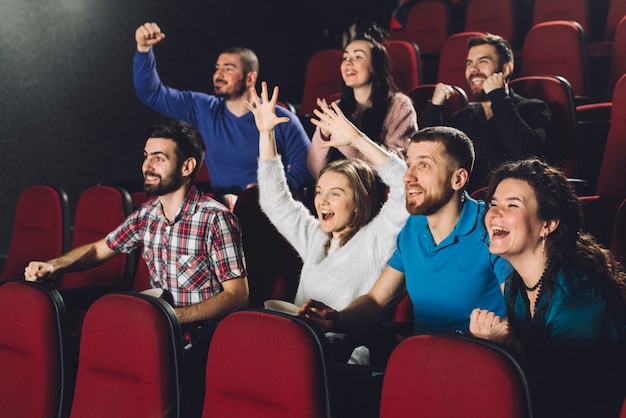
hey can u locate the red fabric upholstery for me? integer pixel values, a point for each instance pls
(427, 25)
(141, 280)
(40, 229)
(130, 359)
(617, 69)
(447, 376)
(618, 238)
(493, 16)
(556, 48)
(623, 414)
(610, 190)
(421, 95)
(266, 364)
(617, 10)
(32, 335)
(99, 210)
(549, 10)
(203, 179)
(561, 148)
(403, 310)
(405, 62)
(452, 59)
(479, 194)
(322, 78)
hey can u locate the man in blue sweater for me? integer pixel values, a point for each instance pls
(223, 120)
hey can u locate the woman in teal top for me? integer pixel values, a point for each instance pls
(565, 300)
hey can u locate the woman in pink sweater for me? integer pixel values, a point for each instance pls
(371, 101)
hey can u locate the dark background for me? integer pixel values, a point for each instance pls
(69, 115)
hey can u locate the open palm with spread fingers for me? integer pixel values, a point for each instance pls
(264, 109)
(332, 119)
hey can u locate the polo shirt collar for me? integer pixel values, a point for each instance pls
(469, 216)
(466, 223)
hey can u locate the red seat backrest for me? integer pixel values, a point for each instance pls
(322, 78)
(34, 381)
(266, 364)
(40, 229)
(405, 63)
(618, 238)
(493, 16)
(421, 95)
(556, 92)
(452, 59)
(130, 359)
(611, 182)
(100, 209)
(448, 376)
(427, 25)
(549, 10)
(556, 48)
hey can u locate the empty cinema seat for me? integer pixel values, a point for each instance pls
(130, 359)
(266, 364)
(453, 376)
(40, 229)
(37, 370)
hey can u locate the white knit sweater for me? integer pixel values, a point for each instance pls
(339, 277)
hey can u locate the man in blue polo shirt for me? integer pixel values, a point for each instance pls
(442, 259)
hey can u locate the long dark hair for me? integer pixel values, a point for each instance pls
(556, 199)
(371, 120)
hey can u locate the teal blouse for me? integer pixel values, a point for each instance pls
(575, 344)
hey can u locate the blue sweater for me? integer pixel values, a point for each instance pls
(232, 142)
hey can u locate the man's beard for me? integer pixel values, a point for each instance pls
(240, 89)
(480, 95)
(167, 185)
(431, 203)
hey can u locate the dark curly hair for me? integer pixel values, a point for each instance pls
(557, 199)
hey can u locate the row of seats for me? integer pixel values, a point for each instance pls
(428, 22)
(128, 369)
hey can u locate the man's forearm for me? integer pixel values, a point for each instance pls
(218, 306)
(362, 313)
(83, 257)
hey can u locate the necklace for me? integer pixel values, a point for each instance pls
(540, 281)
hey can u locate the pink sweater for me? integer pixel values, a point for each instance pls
(398, 127)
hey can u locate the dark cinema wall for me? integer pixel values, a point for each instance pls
(69, 115)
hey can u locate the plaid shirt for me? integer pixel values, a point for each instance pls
(189, 257)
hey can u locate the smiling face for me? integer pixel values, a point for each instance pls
(482, 61)
(334, 202)
(229, 80)
(356, 67)
(161, 172)
(428, 178)
(514, 229)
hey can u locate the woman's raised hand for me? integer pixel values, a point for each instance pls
(263, 110)
(331, 119)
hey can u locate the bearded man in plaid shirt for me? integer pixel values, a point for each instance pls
(190, 242)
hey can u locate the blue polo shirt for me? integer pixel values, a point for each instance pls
(447, 281)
